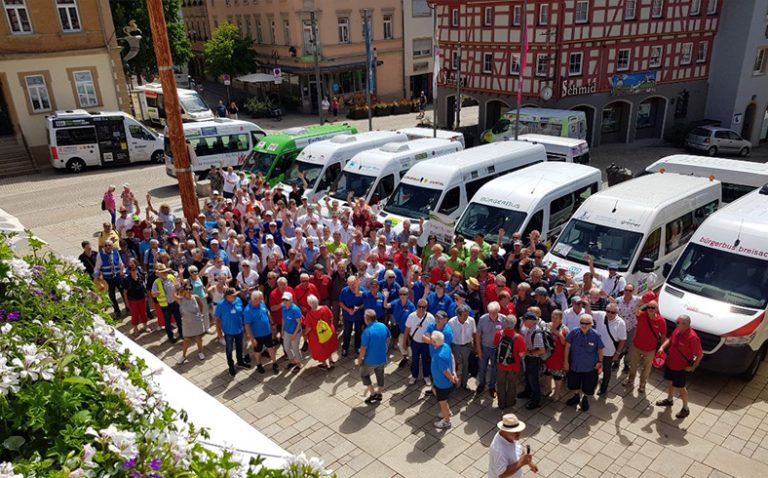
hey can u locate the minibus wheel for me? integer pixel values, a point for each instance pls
(157, 157)
(75, 165)
(754, 366)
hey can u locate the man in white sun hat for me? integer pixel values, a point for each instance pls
(506, 457)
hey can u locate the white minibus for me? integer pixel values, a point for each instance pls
(541, 197)
(721, 282)
(79, 138)
(737, 176)
(222, 142)
(322, 162)
(439, 189)
(419, 133)
(152, 106)
(570, 150)
(374, 174)
(640, 225)
(549, 121)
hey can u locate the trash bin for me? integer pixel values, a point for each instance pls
(617, 174)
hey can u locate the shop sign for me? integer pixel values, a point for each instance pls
(625, 84)
(570, 88)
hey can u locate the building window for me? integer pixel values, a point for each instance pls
(622, 60)
(70, 19)
(695, 7)
(272, 34)
(541, 65)
(286, 31)
(488, 16)
(455, 60)
(38, 93)
(760, 60)
(259, 36)
(85, 88)
(422, 47)
(657, 8)
(630, 9)
(517, 14)
(248, 26)
(487, 62)
(388, 35)
(685, 53)
(455, 17)
(711, 7)
(18, 17)
(239, 21)
(544, 14)
(655, 57)
(574, 64)
(514, 65)
(343, 27)
(582, 11)
(701, 53)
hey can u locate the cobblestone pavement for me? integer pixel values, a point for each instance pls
(322, 413)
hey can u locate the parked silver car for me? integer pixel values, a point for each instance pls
(716, 140)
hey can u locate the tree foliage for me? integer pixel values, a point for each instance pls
(123, 11)
(227, 52)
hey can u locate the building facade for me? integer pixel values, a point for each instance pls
(635, 67)
(194, 14)
(418, 59)
(55, 55)
(739, 80)
(282, 36)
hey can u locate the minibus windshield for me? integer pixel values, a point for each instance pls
(310, 171)
(604, 243)
(193, 103)
(358, 184)
(414, 202)
(722, 275)
(259, 162)
(488, 220)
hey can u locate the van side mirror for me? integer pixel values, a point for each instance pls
(666, 270)
(646, 265)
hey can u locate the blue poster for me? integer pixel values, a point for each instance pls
(633, 83)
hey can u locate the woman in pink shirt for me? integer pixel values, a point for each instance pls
(109, 203)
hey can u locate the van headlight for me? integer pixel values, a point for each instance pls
(740, 340)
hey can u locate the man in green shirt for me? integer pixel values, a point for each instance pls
(473, 262)
(454, 262)
(337, 244)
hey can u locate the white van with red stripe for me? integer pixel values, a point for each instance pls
(721, 281)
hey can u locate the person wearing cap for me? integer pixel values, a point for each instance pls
(651, 333)
(583, 361)
(684, 354)
(485, 348)
(510, 349)
(559, 295)
(506, 457)
(399, 309)
(372, 357)
(123, 221)
(474, 299)
(440, 324)
(387, 231)
(443, 373)
(163, 289)
(291, 331)
(572, 315)
(464, 331)
(533, 331)
(613, 284)
(544, 303)
(269, 248)
(351, 302)
(322, 282)
(438, 300)
(613, 332)
(415, 327)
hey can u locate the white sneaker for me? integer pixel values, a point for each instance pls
(442, 424)
(201, 356)
(182, 359)
(411, 380)
(428, 381)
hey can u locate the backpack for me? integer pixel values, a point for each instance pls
(505, 352)
(324, 331)
(103, 205)
(549, 342)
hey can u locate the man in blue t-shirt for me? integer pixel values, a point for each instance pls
(351, 302)
(373, 355)
(443, 375)
(439, 300)
(258, 325)
(229, 313)
(440, 324)
(292, 331)
(583, 360)
(400, 309)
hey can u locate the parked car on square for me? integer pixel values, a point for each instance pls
(715, 140)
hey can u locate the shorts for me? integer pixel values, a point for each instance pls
(677, 377)
(263, 342)
(584, 381)
(442, 393)
(378, 370)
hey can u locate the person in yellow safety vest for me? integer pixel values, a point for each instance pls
(162, 290)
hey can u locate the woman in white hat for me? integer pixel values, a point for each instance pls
(506, 457)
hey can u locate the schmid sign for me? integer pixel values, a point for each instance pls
(572, 89)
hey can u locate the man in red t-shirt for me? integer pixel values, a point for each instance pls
(304, 290)
(322, 283)
(684, 355)
(441, 272)
(508, 362)
(275, 300)
(651, 332)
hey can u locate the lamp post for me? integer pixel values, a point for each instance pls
(319, 87)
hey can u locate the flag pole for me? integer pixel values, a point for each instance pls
(523, 65)
(435, 69)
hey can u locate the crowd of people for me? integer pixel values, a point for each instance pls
(274, 275)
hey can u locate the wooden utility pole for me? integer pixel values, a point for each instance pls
(175, 130)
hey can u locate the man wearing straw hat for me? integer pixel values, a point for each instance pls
(506, 457)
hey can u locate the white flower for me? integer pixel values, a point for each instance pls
(6, 471)
(179, 445)
(64, 289)
(74, 262)
(118, 381)
(88, 452)
(305, 464)
(122, 443)
(78, 473)
(9, 378)
(19, 269)
(34, 365)
(5, 328)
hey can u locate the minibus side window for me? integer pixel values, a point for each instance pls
(651, 247)
(385, 186)
(678, 231)
(560, 210)
(332, 173)
(732, 192)
(137, 132)
(475, 186)
(75, 136)
(451, 201)
(700, 214)
(256, 136)
(584, 194)
(536, 223)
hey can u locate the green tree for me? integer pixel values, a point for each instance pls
(145, 62)
(227, 52)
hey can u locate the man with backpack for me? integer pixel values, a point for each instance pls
(583, 361)
(537, 350)
(510, 349)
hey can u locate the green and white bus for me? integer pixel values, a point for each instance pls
(275, 153)
(552, 122)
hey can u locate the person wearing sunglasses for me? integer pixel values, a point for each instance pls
(684, 355)
(415, 326)
(583, 361)
(651, 332)
(613, 331)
